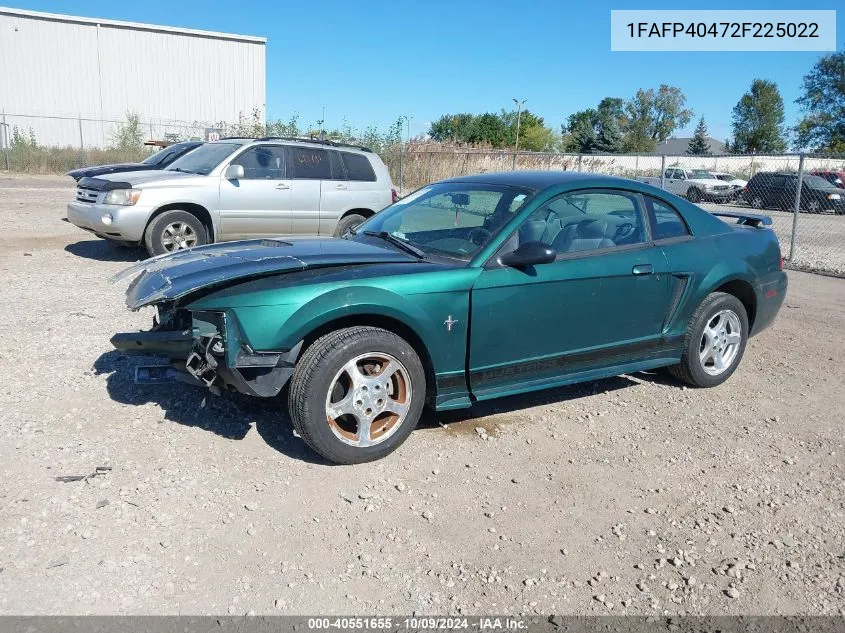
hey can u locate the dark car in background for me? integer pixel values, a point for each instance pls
(159, 160)
(774, 190)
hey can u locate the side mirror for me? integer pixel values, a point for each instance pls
(529, 254)
(234, 172)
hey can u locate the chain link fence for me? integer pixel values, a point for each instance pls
(56, 144)
(803, 194)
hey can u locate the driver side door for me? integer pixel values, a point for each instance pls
(601, 303)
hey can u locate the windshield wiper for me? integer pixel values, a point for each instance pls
(389, 237)
(184, 171)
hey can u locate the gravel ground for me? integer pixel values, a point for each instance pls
(627, 495)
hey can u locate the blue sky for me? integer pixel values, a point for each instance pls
(376, 59)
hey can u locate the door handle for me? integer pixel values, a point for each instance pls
(343, 187)
(642, 269)
(282, 186)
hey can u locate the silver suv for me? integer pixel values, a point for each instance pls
(236, 189)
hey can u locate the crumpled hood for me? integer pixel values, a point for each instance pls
(175, 275)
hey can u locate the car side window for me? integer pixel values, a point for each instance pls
(586, 221)
(358, 167)
(336, 166)
(666, 223)
(264, 162)
(308, 163)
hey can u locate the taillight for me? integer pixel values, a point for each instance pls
(394, 195)
(781, 263)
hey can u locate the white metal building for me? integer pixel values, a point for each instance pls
(66, 77)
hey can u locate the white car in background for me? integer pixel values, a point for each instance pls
(693, 184)
(236, 189)
(737, 183)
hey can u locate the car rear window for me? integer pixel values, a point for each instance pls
(358, 167)
(309, 164)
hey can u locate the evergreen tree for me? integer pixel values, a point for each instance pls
(699, 145)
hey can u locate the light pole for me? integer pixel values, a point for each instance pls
(519, 105)
(402, 151)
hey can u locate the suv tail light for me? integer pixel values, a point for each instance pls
(781, 263)
(394, 195)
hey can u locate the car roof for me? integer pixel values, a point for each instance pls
(300, 142)
(538, 180)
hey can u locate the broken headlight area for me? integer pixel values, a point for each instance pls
(204, 349)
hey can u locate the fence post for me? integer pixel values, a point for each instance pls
(663, 171)
(513, 162)
(81, 144)
(549, 168)
(797, 207)
(430, 160)
(636, 166)
(7, 143)
(401, 170)
(579, 163)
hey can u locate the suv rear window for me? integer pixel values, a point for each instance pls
(309, 164)
(358, 167)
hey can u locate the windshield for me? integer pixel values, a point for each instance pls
(701, 173)
(817, 182)
(449, 219)
(163, 155)
(204, 158)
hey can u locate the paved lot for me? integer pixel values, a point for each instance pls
(628, 495)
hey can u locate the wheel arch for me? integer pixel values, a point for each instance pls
(744, 291)
(197, 210)
(385, 322)
(366, 213)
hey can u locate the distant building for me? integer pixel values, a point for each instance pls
(64, 77)
(677, 146)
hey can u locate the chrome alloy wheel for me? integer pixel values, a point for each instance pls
(177, 236)
(368, 400)
(720, 342)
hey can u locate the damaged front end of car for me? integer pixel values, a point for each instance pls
(204, 349)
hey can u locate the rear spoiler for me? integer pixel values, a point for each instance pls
(747, 219)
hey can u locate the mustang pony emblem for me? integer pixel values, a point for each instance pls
(449, 322)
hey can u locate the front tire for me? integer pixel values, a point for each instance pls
(714, 342)
(174, 231)
(694, 195)
(356, 394)
(347, 223)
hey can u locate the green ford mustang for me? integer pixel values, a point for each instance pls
(467, 289)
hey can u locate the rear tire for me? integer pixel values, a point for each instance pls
(347, 223)
(756, 202)
(356, 394)
(174, 231)
(714, 342)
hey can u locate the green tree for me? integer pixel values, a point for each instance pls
(652, 116)
(537, 138)
(488, 129)
(128, 134)
(699, 145)
(452, 127)
(758, 120)
(823, 103)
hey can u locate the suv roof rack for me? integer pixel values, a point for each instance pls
(314, 140)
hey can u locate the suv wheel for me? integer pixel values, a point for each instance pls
(347, 223)
(694, 195)
(174, 231)
(814, 206)
(356, 394)
(756, 202)
(714, 341)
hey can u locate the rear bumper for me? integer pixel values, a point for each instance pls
(770, 298)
